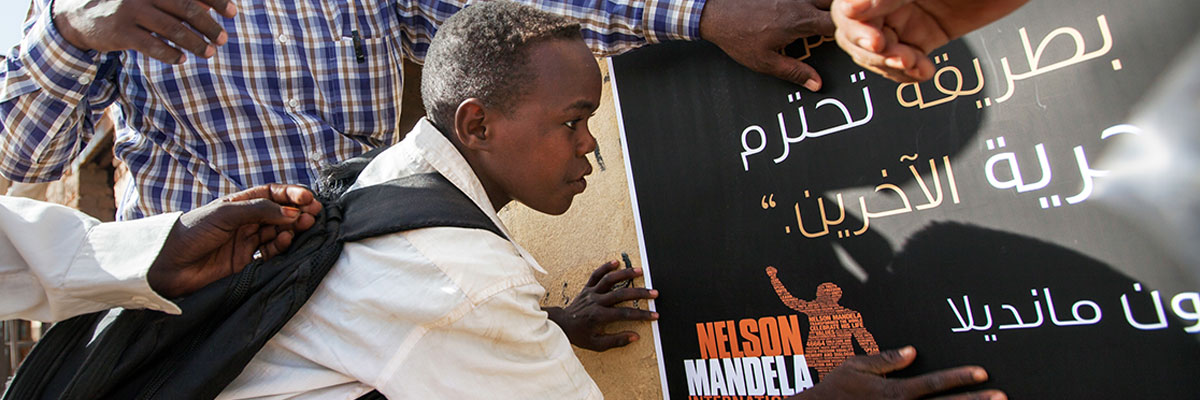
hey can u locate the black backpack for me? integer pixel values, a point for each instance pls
(147, 354)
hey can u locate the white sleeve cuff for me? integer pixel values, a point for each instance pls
(112, 265)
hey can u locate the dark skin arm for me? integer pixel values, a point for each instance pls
(862, 377)
(116, 25)
(753, 32)
(595, 307)
(220, 238)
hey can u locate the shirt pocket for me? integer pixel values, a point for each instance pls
(360, 84)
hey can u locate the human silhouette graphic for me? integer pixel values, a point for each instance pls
(831, 327)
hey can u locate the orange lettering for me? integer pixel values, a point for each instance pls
(719, 331)
(749, 327)
(769, 333)
(733, 340)
(708, 346)
(789, 335)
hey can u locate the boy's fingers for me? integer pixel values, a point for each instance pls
(600, 273)
(612, 278)
(627, 294)
(608, 341)
(615, 314)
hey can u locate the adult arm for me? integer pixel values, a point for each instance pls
(753, 32)
(862, 377)
(893, 37)
(56, 262)
(56, 83)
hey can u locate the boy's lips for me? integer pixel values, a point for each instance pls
(581, 183)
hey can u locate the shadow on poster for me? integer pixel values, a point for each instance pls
(789, 230)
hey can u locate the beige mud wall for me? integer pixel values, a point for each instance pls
(598, 228)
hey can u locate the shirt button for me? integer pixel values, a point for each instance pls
(294, 103)
(283, 38)
(84, 80)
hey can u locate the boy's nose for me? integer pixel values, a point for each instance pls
(588, 144)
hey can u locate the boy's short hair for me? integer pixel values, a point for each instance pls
(483, 52)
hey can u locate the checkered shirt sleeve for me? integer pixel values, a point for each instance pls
(299, 85)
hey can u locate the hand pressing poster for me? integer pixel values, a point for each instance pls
(789, 230)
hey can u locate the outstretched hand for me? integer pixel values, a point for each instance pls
(862, 377)
(754, 33)
(220, 238)
(595, 307)
(893, 37)
(147, 26)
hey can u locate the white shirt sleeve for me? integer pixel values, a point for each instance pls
(493, 343)
(56, 262)
(504, 348)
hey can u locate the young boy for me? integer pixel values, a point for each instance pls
(453, 313)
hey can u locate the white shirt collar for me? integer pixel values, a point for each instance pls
(425, 149)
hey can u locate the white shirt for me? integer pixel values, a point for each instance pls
(433, 313)
(56, 262)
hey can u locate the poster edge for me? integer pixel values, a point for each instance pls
(637, 220)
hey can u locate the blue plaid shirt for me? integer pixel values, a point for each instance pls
(286, 95)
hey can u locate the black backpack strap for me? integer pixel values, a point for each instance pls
(150, 355)
(335, 179)
(429, 200)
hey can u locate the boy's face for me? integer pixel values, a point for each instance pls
(539, 151)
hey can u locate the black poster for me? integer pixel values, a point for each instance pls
(788, 230)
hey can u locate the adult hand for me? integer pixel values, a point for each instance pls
(862, 377)
(220, 238)
(893, 37)
(754, 33)
(594, 308)
(115, 25)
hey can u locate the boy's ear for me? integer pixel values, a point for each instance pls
(470, 124)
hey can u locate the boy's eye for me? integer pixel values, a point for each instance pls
(572, 124)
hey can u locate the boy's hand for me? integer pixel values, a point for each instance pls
(893, 37)
(594, 308)
(220, 238)
(753, 32)
(146, 26)
(862, 377)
